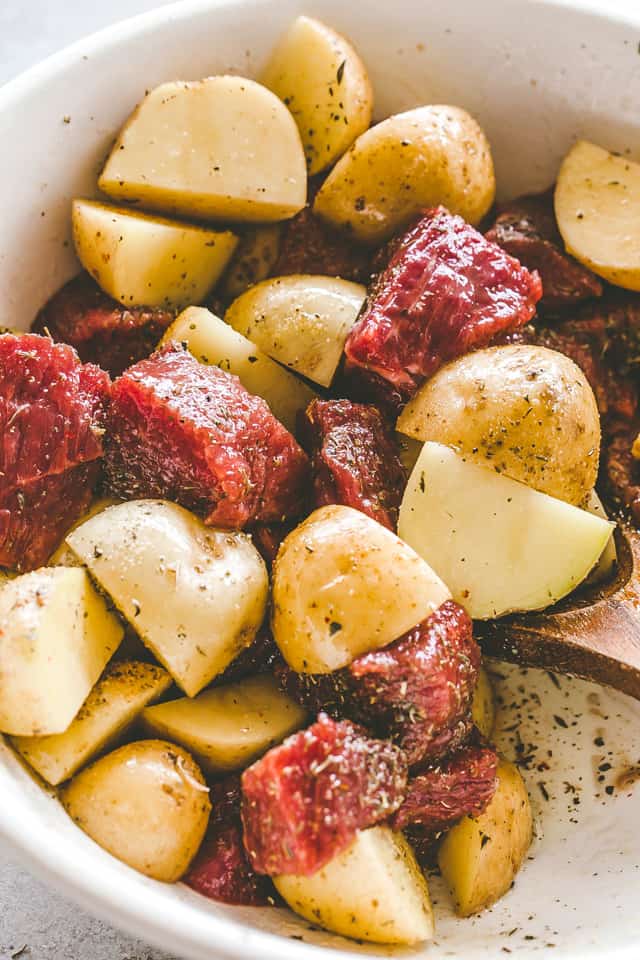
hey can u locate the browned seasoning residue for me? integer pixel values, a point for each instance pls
(627, 778)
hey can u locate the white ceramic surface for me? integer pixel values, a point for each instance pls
(537, 74)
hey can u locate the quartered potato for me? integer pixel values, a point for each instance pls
(64, 556)
(253, 260)
(213, 341)
(112, 706)
(424, 157)
(230, 726)
(56, 637)
(499, 545)
(195, 595)
(483, 706)
(597, 202)
(142, 260)
(480, 856)
(323, 81)
(300, 320)
(343, 585)
(146, 803)
(221, 148)
(374, 891)
(526, 411)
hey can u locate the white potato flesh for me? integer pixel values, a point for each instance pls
(230, 726)
(499, 545)
(325, 85)
(142, 260)
(480, 856)
(300, 320)
(221, 148)
(64, 556)
(609, 557)
(147, 804)
(195, 595)
(483, 706)
(424, 157)
(344, 585)
(374, 891)
(526, 411)
(253, 260)
(115, 702)
(597, 203)
(213, 341)
(56, 637)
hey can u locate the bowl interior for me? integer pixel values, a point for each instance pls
(537, 75)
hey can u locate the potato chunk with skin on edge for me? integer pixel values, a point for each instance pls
(112, 706)
(146, 803)
(142, 260)
(344, 585)
(374, 891)
(195, 595)
(56, 637)
(220, 148)
(324, 83)
(480, 856)
(229, 727)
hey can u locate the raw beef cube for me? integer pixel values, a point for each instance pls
(305, 800)
(307, 245)
(526, 228)
(191, 433)
(446, 291)
(354, 459)
(102, 330)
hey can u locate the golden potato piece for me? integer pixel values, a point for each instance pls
(526, 411)
(483, 706)
(213, 341)
(374, 891)
(343, 585)
(253, 260)
(480, 856)
(302, 321)
(230, 726)
(142, 260)
(221, 148)
(597, 202)
(112, 706)
(323, 81)
(422, 158)
(56, 637)
(147, 804)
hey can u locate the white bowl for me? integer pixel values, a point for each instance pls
(537, 75)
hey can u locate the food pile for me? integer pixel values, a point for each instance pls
(267, 458)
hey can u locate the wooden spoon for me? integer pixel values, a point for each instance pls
(594, 634)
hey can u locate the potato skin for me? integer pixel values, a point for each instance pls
(146, 803)
(526, 410)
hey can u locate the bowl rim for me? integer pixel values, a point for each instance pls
(52, 862)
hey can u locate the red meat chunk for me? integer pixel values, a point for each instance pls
(267, 538)
(102, 330)
(307, 245)
(305, 800)
(445, 291)
(417, 691)
(460, 786)
(191, 433)
(221, 870)
(354, 459)
(527, 229)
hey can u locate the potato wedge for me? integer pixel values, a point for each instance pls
(597, 202)
(221, 148)
(323, 81)
(374, 891)
(112, 706)
(526, 411)
(196, 596)
(228, 727)
(213, 341)
(483, 706)
(64, 556)
(499, 545)
(142, 260)
(300, 320)
(56, 637)
(343, 585)
(480, 856)
(146, 803)
(253, 260)
(413, 160)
